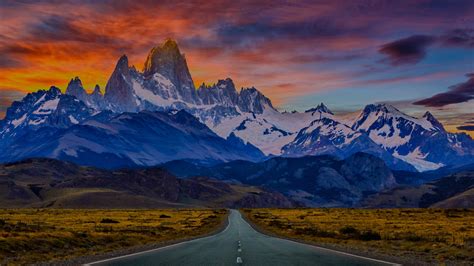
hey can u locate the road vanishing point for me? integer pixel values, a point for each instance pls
(240, 244)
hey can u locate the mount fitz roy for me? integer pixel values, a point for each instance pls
(149, 117)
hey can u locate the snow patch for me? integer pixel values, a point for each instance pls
(417, 159)
(147, 95)
(18, 121)
(73, 120)
(47, 107)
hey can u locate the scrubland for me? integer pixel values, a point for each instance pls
(47, 235)
(423, 235)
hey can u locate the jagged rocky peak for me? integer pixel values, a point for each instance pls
(122, 64)
(382, 107)
(430, 118)
(54, 91)
(96, 98)
(31, 100)
(321, 108)
(164, 59)
(166, 65)
(252, 100)
(118, 91)
(76, 89)
(223, 84)
(223, 92)
(227, 83)
(44, 108)
(97, 90)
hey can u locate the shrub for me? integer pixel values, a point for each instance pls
(349, 230)
(259, 216)
(108, 221)
(165, 216)
(370, 235)
(279, 224)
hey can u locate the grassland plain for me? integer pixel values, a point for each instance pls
(48, 235)
(422, 236)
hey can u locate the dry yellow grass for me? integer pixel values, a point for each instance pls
(431, 235)
(38, 235)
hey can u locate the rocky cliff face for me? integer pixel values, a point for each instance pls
(166, 84)
(166, 63)
(223, 93)
(119, 94)
(76, 89)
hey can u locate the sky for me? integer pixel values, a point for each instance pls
(417, 55)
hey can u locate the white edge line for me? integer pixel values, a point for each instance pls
(327, 249)
(155, 249)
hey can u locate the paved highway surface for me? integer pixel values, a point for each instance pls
(240, 244)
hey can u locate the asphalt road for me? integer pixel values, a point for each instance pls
(240, 244)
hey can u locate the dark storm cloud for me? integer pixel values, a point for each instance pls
(413, 49)
(459, 93)
(408, 50)
(459, 37)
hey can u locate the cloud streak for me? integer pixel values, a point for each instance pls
(459, 93)
(409, 50)
(413, 49)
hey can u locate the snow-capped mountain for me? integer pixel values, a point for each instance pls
(131, 139)
(327, 135)
(269, 130)
(166, 84)
(244, 117)
(44, 108)
(422, 142)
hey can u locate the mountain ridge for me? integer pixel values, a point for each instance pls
(322, 181)
(165, 85)
(44, 183)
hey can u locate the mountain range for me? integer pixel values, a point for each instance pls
(155, 115)
(311, 180)
(40, 183)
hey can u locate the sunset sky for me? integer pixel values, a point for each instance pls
(417, 55)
